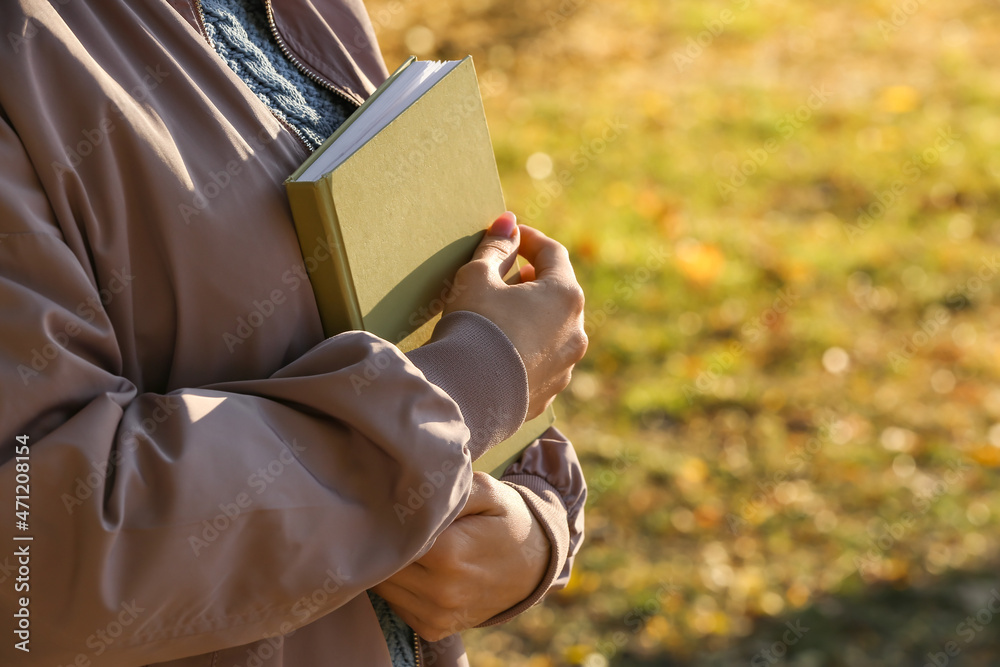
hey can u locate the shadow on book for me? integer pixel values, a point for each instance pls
(431, 284)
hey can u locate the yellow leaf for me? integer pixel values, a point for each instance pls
(987, 455)
(576, 654)
(700, 262)
(898, 99)
(694, 471)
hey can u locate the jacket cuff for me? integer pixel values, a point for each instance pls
(545, 503)
(475, 363)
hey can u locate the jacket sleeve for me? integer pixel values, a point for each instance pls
(549, 478)
(176, 524)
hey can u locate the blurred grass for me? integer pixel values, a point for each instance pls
(778, 388)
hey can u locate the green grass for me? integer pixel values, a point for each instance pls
(700, 406)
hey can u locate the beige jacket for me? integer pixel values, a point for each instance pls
(206, 481)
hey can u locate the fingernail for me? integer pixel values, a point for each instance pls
(504, 226)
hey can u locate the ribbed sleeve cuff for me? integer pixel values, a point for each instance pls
(544, 502)
(475, 363)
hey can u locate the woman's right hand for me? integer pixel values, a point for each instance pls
(542, 315)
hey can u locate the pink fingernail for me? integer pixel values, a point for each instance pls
(504, 226)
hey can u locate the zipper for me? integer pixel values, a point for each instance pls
(417, 652)
(288, 54)
(295, 61)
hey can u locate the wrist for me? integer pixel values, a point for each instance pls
(474, 362)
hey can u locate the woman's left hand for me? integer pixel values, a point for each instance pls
(490, 558)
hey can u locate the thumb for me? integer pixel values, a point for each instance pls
(485, 497)
(499, 247)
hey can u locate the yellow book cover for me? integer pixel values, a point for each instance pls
(417, 157)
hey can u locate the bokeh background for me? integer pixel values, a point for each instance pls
(786, 219)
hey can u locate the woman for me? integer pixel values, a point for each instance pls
(206, 485)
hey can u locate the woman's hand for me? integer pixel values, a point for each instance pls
(492, 557)
(542, 315)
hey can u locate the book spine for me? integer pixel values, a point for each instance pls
(322, 246)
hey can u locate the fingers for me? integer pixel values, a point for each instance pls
(477, 567)
(499, 247)
(505, 266)
(486, 497)
(408, 579)
(423, 617)
(547, 256)
(434, 602)
(549, 262)
(527, 273)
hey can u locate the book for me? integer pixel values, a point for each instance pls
(393, 203)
